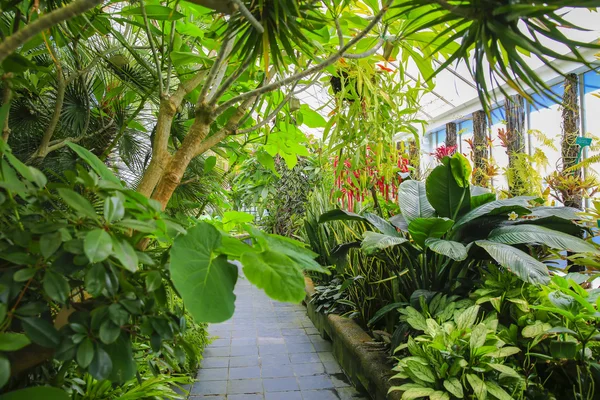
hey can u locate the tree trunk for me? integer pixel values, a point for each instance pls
(42, 150)
(480, 151)
(450, 134)
(570, 132)
(515, 131)
(6, 98)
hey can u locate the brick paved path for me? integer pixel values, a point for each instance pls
(271, 351)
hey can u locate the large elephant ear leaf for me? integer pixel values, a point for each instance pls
(340, 215)
(374, 241)
(454, 250)
(461, 170)
(482, 199)
(516, 261)
(516, 204)
(423, 228)
(381, 224)
(412, 199)
(520, 234)
(560, 212)
(444, 194)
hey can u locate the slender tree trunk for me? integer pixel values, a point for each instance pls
(515, 127)
(6, 98)
(480, 151)
(42, 150)
(570, 132)
(451, 134)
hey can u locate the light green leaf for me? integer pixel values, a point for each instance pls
(466, 318)
(439, 395)
(204, 279)
(497, 391)
(125, 253)
(77, 202)
(536, 329)
(478, 335)
(518, 262)
(97, 245)
(461, 169)
(209, 164)
(416, 393)
(534, 234)
(114, 209)
(422, 229)
(478, 386)
(311, 118)
(156, 12)
(505, 370)
(273, 272)
(412, 199)
(454, 250)
(445, 196)
(373, 241)
(421, 371)
(454, 386)
(504, 352)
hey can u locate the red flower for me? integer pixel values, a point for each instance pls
(443, 151)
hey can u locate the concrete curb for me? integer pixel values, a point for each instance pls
(366, 367)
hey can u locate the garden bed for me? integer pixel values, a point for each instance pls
(367, 367)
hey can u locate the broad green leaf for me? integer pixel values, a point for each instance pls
(478, 335)
(204, 280)
(534, 234)
(421, 371)
(56, 286)
(95, 279)
(536, 329)
(497, 391)
(4, 370)
(93, 161)
(125, 253)
(340, 215)
(24, 274)
(101, 365)
(97, 245)
(505, 369)
(454, 250)
(561, 349)
(454, 386)
(518, 262)
(114, 209)
(439, 395)
(383, 311)
(504, 352)
(445, 195)
(209, 164)
(40, 392)
(381, 224)
(154, 11)
(417, 393)
(467, 317)
(274, 273)
(153, 281)
(311, 118)
(412, 199)
(77, 202)
(123, 363)
(499, 207)
(109, 332)
(373, 241)
(422, 229)
(49, 243)
(461, 170)
(85, 353)
(10, 341)
(478, 386)
(477, 201)
(41, 332)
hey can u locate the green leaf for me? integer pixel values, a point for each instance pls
(497, 391)
(24, 274)
(209, 164)
(114, 209)
(478, 335)
(499, 207)
(439, 395)
(445, 195)
(121, 355)
(95, 279)
(504, 352)
(157, 12)
(518, 262)
(125, 253)
(417, 393)
(381, 224)
(412, 199)
(421, 371)
(49, 243)
(561, 349)
(4, 370)
(422, 229)
(477, 201)
(109, 332)
(340, 215)
(56, 286)
(101, 365)
(478, 386)
(274, 272)
(454, 386)
(467, 317)
(77, 202)
(534, 234)
(10, 341)
(153, 281)
(40, 392)
(93, 161)
(97, 245)
(41, 332)
(85, 353)
(461, 170)
(505, 369)
(311, 118)
(454, 250)
(383, 311)
(204, 280)
(373, 241)
(16, 63)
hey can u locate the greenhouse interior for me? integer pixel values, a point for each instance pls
(300, 199)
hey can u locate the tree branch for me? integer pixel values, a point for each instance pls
(6, 98)
(367, 53)
(16, 40)
(331, 60)
(248, 15)
(57, 144)
(216, 67)
(229, 81)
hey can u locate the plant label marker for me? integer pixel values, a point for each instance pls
(582, 142)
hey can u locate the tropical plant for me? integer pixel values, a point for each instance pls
(446, 227)
(461, 358)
